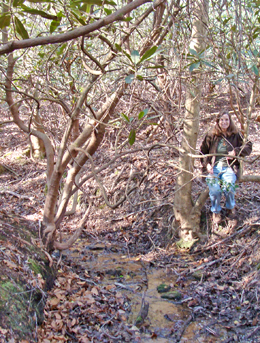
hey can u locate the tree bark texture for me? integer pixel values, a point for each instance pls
(187, 215)
(53, 218)
(79, 32)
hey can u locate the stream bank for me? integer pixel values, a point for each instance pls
(100, 290)
(25, 277)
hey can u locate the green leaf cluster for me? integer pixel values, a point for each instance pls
(132, 134)
(45, 9)
(197, 60)
(136, 61)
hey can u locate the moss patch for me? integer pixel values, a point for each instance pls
(16, 310)
(25, 275)
(35, 266)
(186, 244)
(173, 295)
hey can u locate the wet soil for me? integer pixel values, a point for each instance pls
(217, 286)
(139, 281)
(106, 281)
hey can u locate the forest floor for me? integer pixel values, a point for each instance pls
(122, 281)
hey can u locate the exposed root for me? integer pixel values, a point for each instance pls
(76, 235)
(69, 242)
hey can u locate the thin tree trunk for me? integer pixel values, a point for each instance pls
(187, 215)
(52, 219)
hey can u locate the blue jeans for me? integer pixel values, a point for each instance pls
(221, 181)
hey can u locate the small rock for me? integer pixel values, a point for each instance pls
(163, 288)
(174, 295)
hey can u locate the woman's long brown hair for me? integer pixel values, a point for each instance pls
(232, 126)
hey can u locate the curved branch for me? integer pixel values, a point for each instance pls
(104, 39)
(81, 31)
(94, 172)
(93, 143)
(91, 71)
(92, 59)
(19, 122)
(72, 239)
(28, 96)
(88, 129)
(59, 102)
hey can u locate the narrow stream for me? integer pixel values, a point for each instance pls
(138, 279)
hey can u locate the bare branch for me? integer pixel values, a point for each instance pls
(17, 120)
(95, 72)
(113, 206)
(75, 236)
(81, 31)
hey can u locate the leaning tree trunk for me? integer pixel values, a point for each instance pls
(187, 214)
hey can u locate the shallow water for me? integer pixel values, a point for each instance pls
(138, 279)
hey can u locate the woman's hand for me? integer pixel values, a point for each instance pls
(232, 153)
(209, 168)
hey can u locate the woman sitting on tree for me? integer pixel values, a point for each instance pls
(223, 139)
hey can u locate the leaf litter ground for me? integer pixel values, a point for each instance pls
(94, 301)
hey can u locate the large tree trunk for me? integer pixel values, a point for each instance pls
(187, 214)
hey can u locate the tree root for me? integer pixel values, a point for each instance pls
(72, 240)
(143, 312)
(182, 330)
(69, 242)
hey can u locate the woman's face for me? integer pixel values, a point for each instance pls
(224, 122)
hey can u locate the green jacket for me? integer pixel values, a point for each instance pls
(235, 142)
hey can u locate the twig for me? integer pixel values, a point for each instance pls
(241, 254)
(71, 336)
(248, 227)
(119, 202)
(9, 169)
(6, 122)
(205, 265)
(110, 336)
(106, 165)
(154, 246)
(124, 287)
(139, 211)
(211, 331)
(22, 240)
(182, 330)
(88, 281)
(143, 312)
(253, 332)
(2, 191)
(107, 321)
